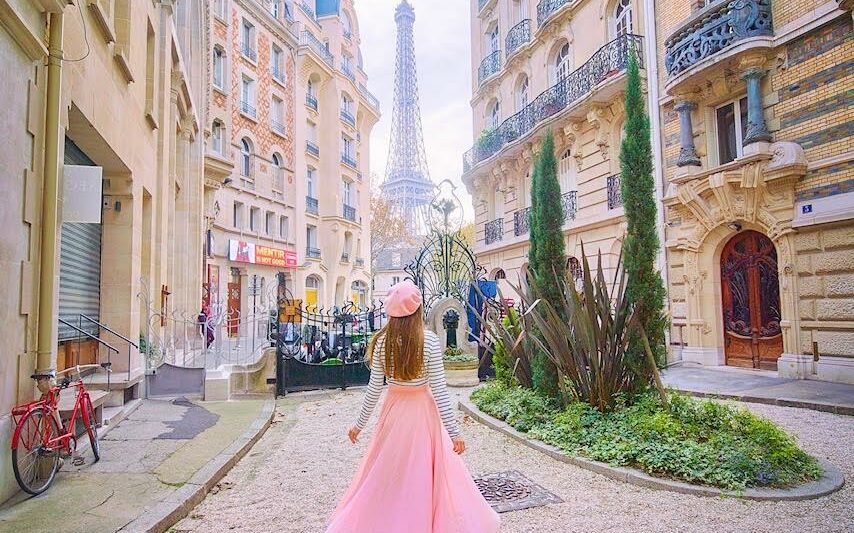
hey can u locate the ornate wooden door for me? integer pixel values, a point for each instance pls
(751, 302)
(233, 309)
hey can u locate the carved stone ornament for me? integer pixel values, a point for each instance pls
(600, 117)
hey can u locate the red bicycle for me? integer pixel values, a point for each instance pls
(40, 442)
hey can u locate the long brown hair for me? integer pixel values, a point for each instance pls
(403, 343)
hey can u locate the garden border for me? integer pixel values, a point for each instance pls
(831, 481)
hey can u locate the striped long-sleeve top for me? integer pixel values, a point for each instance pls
(434, 375)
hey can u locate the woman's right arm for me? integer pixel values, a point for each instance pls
(375, 386)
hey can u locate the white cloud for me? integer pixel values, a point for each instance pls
(442, 51)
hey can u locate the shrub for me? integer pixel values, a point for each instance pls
(455, 354)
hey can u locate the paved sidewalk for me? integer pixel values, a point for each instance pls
(762, 387)
(145, 459)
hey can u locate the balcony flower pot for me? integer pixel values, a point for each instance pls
(460, 368)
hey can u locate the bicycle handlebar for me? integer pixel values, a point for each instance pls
(78, 368)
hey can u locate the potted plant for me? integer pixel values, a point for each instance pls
(460, 367)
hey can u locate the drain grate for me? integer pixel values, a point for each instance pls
(511, 491)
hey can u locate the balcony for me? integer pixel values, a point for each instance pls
(311, 102)
(249, 52)
(347, 71)
(607, 62)
(615, 195)
(278, 127)
(311, 205)
(518, 35)
(312, 252)
(308, 40)
(348, 160)
(714, 29)
(348, 34)
(307, 10)
(569, 202)
(493, 230)
(522, 221)
(349, 212)
(490, 65)
(345, 257)
(347, 117)
(248, 109)
(547, 8)
(312, 148)
(372, 100)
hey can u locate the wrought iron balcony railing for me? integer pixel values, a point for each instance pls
(248, 109)
(489, 66)
(522, 221)
(249, 52)
(307, 10)
(715, 28)
(311, 101)
(278, 74)
(311, 251)
(348, 117)
(309, 40)
(607, 62)
(312, 148)
(348, 160)
(348, 71)
(494, 230)
(311, 205)
(373, 100)
(517, 36)
(277, 126)
(615, 195)
(481, 3)
(547, 8)
(569, 202)
(349, 212)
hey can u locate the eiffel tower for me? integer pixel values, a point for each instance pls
(407, 184)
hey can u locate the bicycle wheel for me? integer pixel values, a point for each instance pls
(35, 466)
(92, 430)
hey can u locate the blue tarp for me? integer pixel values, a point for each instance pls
(488, 289)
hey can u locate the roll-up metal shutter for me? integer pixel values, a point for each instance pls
(79, 266)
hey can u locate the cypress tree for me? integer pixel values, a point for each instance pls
(645, 286)
(547, 256)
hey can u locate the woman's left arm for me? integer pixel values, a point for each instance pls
(438, 385)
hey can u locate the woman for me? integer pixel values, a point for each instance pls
(410, 480)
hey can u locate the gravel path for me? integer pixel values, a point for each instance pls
(293, 477)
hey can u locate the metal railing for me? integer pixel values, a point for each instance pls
(311, 101)
(312, 148)
(373, 100)
(615, 194)
(348, 160)
(248, 109)
(481, 3)
(714, 29)
(312, 252)
(82, 334)
(278, 74)
(309, 40)
(569, 202)
(517, 36)
(249, 52)
(277, 126)
(522, 221)
(349, 212)
(493, 230)
(490, 65)
(348, 34)
(311, 205)
(607, 62)
(307, 10)
(347, 117)
(547, 8)
(347, 71)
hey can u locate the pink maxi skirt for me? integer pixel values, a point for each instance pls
(410, 480)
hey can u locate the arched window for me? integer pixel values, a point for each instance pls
(278, 172)
(245, 157)
(309, 89)
(218, 137)
(499, 274)
(522, 93)
(566, 172)
(562, 63)
(312, 282)
(623, 23)
(219, 67)
(574, 271)
(494, 118)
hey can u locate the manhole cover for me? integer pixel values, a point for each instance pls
(511, 491)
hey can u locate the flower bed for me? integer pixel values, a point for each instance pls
(698, 441)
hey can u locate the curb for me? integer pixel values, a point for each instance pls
(830, 482)
(825, 407)
(177, 505)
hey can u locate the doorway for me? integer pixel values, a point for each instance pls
(234, 299)
(750, 294)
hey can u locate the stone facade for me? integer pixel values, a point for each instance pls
(573, 55)
(786, 174)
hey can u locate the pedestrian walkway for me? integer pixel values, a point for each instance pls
(145, 459)
(761, 387)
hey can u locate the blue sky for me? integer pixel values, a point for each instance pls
(442, 50)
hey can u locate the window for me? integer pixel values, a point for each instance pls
(247, 97)
(237, 215)
(277, 115)
(254, 216)
(731, 129)
(284, 227)
(395, 280)
(347, 146)
(218, 137)
(312, 132)
(247, 38)
(219, 67)
(522, 94)
(499, 274)
(270, 223)
(347, 192)
(346, 104)
(275, 7)
(309, 90)
(310, 182)
(311, 236)
(494, 118)
(245, 158)
(346, 25)
(277, 64)
(562, 63)
(623, 18)
(219, 8)
(278, 173)
(520, 10)
(492, 40)
(567, 173)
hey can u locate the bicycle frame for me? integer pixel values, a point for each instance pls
(49, 404)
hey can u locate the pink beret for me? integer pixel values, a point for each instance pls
(403, 299)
